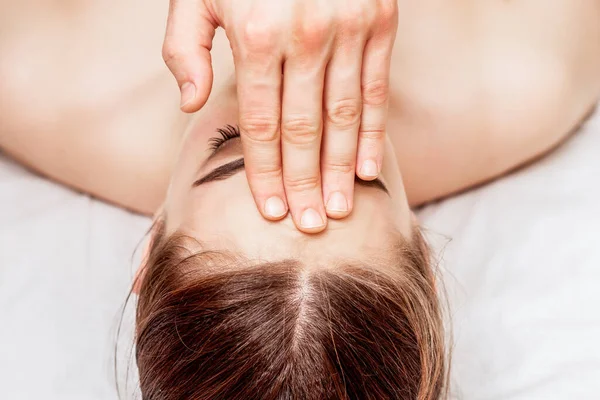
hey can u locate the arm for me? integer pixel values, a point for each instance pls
(86, 100)
(120, 152)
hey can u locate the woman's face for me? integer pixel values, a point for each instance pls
(209, 199)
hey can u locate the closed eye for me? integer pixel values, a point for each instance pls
(226, 133)
(227, 170)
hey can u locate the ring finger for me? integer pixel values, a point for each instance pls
(341, 123)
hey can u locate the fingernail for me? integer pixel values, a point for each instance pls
(188, 92)
(275, 207)
(369, 168)
(337, 202)
(311, 219)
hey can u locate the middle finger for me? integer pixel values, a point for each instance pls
(301, 125)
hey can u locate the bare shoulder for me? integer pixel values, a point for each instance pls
(86, 99)
(480, 90)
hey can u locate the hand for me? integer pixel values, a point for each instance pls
(312, 81)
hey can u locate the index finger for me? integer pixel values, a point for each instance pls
(259, 95)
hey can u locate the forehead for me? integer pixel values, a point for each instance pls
(223, 216)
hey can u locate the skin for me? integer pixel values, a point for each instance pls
(209, 211)
(476, 90)
(312, 84)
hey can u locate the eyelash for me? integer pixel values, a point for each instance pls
(227, 133)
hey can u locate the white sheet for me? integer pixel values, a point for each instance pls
(521, 259)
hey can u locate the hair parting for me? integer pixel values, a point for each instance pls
(214, 325)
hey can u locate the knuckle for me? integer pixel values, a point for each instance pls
(314, 32)
(301, 130)
(344, 113)
(353, 20)
(375, 92)
(375, 133)
(386, 19)
(259, 36)
(388, 10)
(340, 165)
(171, 52)
(259, 128)
(302, 183)
(266, 173)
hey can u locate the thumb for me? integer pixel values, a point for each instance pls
(186, 51)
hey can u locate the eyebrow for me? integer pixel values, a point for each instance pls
(227, 170)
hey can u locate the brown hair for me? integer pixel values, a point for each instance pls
(212, 325)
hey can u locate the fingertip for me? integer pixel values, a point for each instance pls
(193, 98)
(368, 170)
(338, 206)
(275, 208)
(188, 94)
(196, 89)
(311, 221)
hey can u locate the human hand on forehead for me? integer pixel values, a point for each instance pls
(312, 81)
